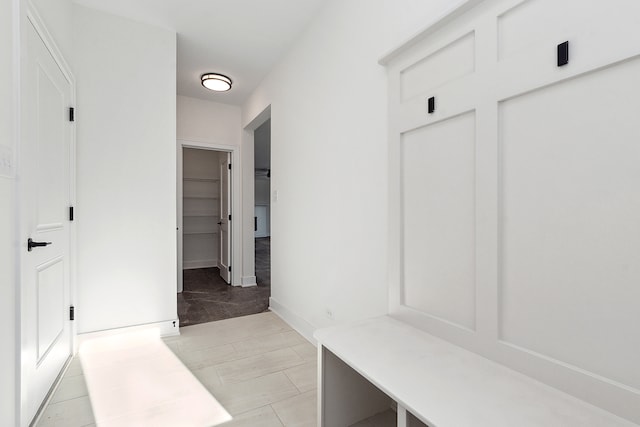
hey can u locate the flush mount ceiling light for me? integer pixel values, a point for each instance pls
(216, 82)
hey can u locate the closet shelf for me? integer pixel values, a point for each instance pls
(192, 233)
(201, 179)
(201, 213)
(202, 197)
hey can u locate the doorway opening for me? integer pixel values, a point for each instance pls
(208, 288)
(262, 203)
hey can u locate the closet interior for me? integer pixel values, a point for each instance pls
(201, 208)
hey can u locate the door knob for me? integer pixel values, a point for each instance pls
(31, 244)
(220, 223)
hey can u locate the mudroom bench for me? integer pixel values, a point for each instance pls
(365, 368)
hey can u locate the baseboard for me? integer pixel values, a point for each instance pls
(248, 281)
(303, 327)
(51, 393)
(166, 328)
(206, 263)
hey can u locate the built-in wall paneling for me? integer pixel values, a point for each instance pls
(201, 208)
(438, 165)
(571, 231)
(514, 206)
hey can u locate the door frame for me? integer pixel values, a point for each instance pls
(248, 194)
(33, 18)
(235, 256)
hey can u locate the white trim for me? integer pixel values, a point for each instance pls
(17, 34)
(207, 145)
(52, 392)
(167, 328)
(437, 23)
(303, 327)
(236, 204)
(259, 119)
(179, 220)
(249, 281)
(248, 193)
(48, 40)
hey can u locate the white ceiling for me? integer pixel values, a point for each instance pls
(242, 39)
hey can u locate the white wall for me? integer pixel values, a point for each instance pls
(126, 86)
(206, 121)
(329, 158)
(7, 216)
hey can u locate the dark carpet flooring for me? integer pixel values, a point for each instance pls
(206, 297)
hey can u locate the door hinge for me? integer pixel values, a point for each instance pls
(72, 114)
(229, 166)
(229, 217)
(229, 269)
(431, 105)
(563, 54)
(255, 223)
(70, 213)
(72, 314)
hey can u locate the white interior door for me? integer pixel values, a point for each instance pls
(45, 181)
(225, 217)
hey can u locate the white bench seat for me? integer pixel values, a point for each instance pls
(441, 384)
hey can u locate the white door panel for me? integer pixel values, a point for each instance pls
(45, 194)
(50, 297)
(225, 215)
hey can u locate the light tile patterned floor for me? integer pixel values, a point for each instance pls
(258, 368)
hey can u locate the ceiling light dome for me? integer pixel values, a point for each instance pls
(216, 82)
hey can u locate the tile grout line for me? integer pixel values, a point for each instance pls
(268, 405)
(69, 400)
(285, 329)
(260, 376)
(262, 354)
(282, 400)
(277, 416)
(54, 402)
(290, 380)
(222, 362)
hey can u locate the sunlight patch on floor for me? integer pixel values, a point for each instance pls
(134, 379)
